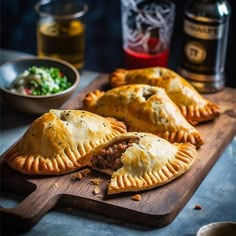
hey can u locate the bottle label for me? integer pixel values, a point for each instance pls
(204, 46)
(203, 31)
(195, 52)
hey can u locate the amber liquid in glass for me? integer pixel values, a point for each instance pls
(63, 40)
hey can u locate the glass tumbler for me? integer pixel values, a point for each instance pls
(61, 30)
(147, 27)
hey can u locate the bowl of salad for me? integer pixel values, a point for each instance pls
(35, 85)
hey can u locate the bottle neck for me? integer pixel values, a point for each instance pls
(208, 10)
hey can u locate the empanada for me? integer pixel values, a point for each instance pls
(144, 108)
(194, 107)
(140, 161)
(56, 141)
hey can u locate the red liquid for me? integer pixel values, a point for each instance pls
(134, 60)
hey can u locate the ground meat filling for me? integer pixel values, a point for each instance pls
(110, 158)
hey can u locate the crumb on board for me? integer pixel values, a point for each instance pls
(197, 207)
(96, 181)
(96, 190)
(81, 174)
(55, 185)
(136, 197)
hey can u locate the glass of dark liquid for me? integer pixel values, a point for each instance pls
(61, 30)
(147, 27)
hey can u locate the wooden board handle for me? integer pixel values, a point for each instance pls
(30, 210)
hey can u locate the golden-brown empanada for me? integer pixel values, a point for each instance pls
(144, 108)
(194, 107)
(56, 141)
(140, 161)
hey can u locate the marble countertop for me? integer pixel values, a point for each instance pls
(216, 194)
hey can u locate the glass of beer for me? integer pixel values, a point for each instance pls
(61, 30)
(147, 27)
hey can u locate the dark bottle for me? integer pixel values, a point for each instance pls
(205, 30)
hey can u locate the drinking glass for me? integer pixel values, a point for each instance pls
(61, 30)
(147, 27)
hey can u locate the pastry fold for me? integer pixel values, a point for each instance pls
(56, 141)
(144, 108)
(141, 161)
(194, 107)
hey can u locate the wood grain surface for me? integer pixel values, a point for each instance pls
(157, 208)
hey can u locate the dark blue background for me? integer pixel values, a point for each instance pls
(103, 34)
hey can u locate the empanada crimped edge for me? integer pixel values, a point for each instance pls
(137, 105)
(139, 161)
(56, 141)
(185, 156)
(194, 107)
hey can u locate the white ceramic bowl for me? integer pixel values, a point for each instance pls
(36, 104)
(218, 229)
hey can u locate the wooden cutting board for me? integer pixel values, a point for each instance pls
(157, 208)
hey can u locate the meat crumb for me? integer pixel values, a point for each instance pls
(96, 190)
(55, 185)
(77, 176)
(96, 181)
(136, 197)
(197, 207)
(81, 174)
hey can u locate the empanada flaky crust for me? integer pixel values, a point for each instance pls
(149, 161)
(144, 108)
(56, 141)
(194, 107)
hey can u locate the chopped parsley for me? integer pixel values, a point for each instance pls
(38, 81)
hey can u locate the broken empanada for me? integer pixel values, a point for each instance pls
(140, 161)
(144, 108)
(56, 141)
(194, 107)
